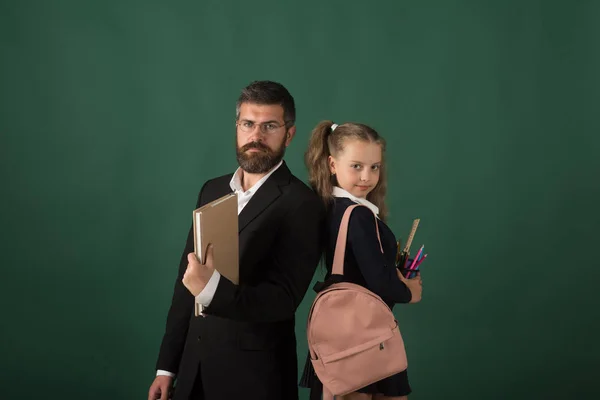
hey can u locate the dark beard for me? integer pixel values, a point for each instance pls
(261, 162)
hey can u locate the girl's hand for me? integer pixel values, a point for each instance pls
(415, 285)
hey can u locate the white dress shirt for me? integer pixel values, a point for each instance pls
(207, 294)
(339, 192)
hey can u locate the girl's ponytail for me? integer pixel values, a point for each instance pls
(316, 159)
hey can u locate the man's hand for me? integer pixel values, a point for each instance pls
(160, 388)
(415, 285)
(196, 275)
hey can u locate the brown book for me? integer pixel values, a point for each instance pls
(216, 223)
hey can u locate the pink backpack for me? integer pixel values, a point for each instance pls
(353, 337)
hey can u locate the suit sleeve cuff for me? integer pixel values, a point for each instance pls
(224, 296)
(206, 295)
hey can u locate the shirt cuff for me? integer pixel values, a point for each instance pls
(166, 373)
(207, 294)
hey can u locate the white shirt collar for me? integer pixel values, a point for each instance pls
(236, 182)
(339, 192)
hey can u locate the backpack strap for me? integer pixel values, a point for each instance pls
(340, 246)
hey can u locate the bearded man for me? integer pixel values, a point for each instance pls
(243, 345)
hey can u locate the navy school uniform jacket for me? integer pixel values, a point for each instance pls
(364, 264)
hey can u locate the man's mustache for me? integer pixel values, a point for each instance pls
(254, 145)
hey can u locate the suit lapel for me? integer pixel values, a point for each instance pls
(266, 194)
(221, 188)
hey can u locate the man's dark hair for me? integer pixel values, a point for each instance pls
(268, 93)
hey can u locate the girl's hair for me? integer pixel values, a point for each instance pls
(324, 143)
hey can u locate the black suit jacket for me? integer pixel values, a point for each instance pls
(245, 345)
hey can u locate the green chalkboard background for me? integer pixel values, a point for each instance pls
(113, 114)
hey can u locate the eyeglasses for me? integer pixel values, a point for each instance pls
(265, 127)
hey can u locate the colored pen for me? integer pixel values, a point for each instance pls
(422, 259)
(417, 257)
